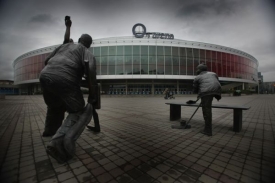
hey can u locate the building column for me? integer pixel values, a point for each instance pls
(126, 84)
(178, 87)
(153, 88)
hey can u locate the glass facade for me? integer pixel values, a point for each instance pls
(166, 60)
(29, 68)
(150, 60)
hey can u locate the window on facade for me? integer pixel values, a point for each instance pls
(104, 64)
(160, 60)
(160, 51)
(228, 71)
(160, 65)
(128, 64)
(168, 65)
(96, 51)
(196, 56)
(152, 50)
(136, 64)
(119, 50)
(104, 51)
(144, 65)
(128, 51)
(111, 65)
(224, 73)
(152, 60)
(219, 64)
(112, 50)
(202, 56)
(175, 51)
(208, 59)
(136, 50)
(152, 65)
(144, 50)
(175, 63)
(167, 51)
(119, 65)
(189, 61)
(98, 65)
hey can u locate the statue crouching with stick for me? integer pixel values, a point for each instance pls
(60, 81)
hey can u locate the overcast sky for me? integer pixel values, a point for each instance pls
(247, 25)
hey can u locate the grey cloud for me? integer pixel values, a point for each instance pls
(6, 71)
(267, 68)
(43, 18)
(203, 9)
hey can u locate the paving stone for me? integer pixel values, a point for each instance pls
(76, 164)
(234, 168)
(98, 171)
(232, 174)
(116, 172)
(207, 179)
(144, 167)
(192, 173)
(155, 173)
(220, 163)
(45, 175)
(65, 176)
(227, 179)
(251, 174)
(165, 179)
(125, 178)
(109, 166)
(162, 167)
(135, 173)
(185, 178)
(104, 178)
(28, 174)
(198, 168)
(62, 169)
(247, 179)
(203, 163)
(27, 180)
(217, 168)
(212, 173)
(80, 170)
(236, 163)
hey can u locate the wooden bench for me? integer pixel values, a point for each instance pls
(175, 112)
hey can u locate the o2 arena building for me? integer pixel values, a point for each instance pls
(147, 63)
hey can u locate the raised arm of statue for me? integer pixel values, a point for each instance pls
(68, 24)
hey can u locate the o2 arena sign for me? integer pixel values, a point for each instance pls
(139, 30)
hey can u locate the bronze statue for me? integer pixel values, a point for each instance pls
(207, 85)
(60, 81)
(56, 110)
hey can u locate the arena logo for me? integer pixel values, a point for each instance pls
(141, 32)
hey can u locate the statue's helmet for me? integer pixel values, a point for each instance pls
(201, 67)
(86, 40)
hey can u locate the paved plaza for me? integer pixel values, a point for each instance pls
(137, 143)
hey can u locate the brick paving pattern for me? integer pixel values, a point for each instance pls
(137, 144)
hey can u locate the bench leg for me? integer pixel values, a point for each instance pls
(175, 112)
(238, 120)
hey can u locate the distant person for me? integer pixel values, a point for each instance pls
(166, 93)
(207, 85)
(60, 81)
